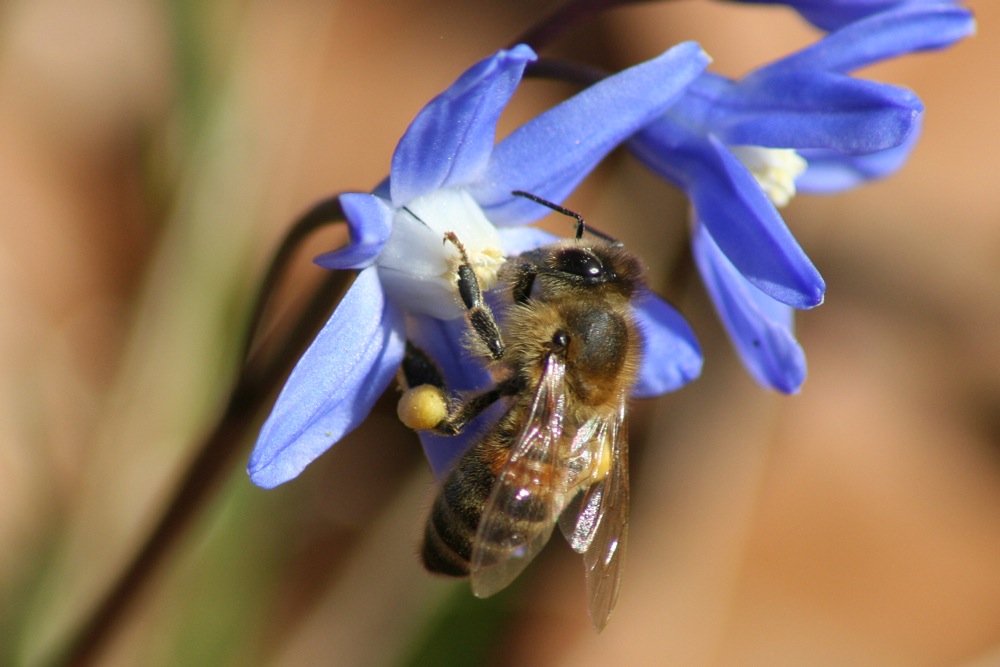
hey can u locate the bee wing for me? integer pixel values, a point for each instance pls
(529, 493)
(599, 527)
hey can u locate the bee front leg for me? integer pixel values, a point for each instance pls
(480, 316)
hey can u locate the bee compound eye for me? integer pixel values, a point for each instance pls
(579, 262)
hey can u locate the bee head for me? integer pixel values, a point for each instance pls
(586, 268)
(574, 268)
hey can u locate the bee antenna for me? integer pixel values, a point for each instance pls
(581, 225)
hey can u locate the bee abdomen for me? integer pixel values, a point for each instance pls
(454, 519)
(453, 527)
(444, 551)
(449, 533)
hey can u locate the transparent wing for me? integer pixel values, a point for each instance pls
(596, 522)
(529, 492)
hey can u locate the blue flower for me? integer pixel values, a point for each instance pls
(447, 174)
(737, 147)
(835, 14)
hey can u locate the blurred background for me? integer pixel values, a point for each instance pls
(154, 154)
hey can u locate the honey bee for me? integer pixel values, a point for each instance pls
(564, 356)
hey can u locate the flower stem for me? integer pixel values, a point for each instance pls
(261, 373)
(564, 18)
(568, 71)
(324, 212)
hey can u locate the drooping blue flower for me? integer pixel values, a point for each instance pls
(737, 147)
(835, 14)
(447, 174)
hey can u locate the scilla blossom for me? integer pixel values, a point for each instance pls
(739, 148)
(447, 174)
(835, 14)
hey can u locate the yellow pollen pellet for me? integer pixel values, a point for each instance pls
(422, 407)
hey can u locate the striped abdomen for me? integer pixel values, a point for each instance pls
(455, 516)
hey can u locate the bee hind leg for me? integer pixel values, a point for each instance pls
(425, 405)
(418, 368)
(474, 405)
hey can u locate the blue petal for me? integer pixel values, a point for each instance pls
(551, 154)
(729, 201)
(759, 326)
(334, 385)
(833, 14)
(830, 171)
(671, 356)
(369, 219)
(882, 36)
(450, 140)
(444, 340)
(803, 109)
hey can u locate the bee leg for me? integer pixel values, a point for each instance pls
(480, 316)
(418, 368)
(473, 406)
(424, 405)
(521, 285)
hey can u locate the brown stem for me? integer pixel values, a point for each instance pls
(568, 71)
(323, 213)
(573, 12)
(214, 458)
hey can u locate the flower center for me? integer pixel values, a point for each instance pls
(774, 168)
(418, 269)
